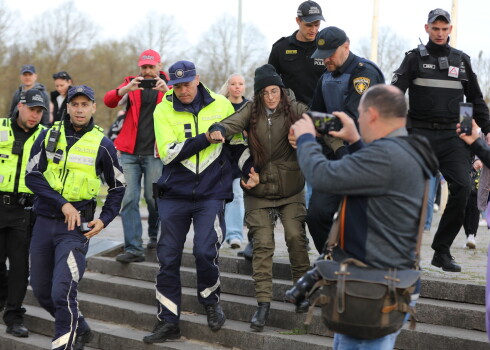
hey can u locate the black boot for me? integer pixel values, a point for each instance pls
(82, 339)
(162, 332)
(260, 316)
(216, 316)
(247, 253)
(446, 262)
(303, 307)
(18, 330)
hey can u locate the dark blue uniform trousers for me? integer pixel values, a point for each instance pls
(57, 266)
(176, 216)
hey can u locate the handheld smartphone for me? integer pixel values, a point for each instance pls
(465, 117)
(84, 227)
(148, 83)
(325, 122)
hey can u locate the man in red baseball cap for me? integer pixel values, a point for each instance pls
(136, 144)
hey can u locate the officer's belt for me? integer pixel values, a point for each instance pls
(10, 198)
(429, 125)
(438, 83)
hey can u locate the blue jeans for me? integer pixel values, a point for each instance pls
(345, 342)
(234, 213)
(308, 191)
(134, 168)
(430, 202)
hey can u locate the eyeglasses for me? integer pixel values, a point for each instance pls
(273, 92)
(61, 75)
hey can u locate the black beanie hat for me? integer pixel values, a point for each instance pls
(266, 76)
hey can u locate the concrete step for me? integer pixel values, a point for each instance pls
(460, 291)
(432, 311)
(33, 342)
(435, 337)
(231, 282)
(132, 315)
(454, 290)
(451, 313)
(239, 308)
(237, 334)
(108, 336)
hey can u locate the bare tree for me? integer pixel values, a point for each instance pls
(160, 33)
(59, 32)
(391, 50)
(216, 52)
(481, 67)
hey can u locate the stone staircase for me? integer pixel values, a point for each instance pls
(119, 303)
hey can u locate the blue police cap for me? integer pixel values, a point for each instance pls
(28, 68)
(81, 90)
(327, 42)
(181, 72)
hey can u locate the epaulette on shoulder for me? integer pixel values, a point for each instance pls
(99, 128)
(411, 51)
(277, 42)
(170, 97)
(6, 122)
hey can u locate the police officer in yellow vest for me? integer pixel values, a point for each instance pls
(17, 135)
(64, 171)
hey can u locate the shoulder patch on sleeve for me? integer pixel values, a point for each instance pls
(361, 84)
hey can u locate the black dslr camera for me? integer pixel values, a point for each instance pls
(297, 294)
(325, 122)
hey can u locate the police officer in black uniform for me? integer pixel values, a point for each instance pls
(17, 135)
(438, 78)
(339, 89)
(291, 56)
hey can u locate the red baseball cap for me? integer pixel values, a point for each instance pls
(149, 57)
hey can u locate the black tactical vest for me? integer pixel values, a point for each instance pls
(435, 94)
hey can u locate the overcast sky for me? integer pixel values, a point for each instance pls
(276, 18)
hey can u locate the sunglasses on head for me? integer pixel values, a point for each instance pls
(61, 75)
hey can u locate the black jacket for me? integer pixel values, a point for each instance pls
(409, 70)
(299, 72)
(57, 111)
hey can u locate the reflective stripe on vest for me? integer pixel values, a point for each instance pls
(434, 95)
(75, 177)
(437, 83)
(9, 169)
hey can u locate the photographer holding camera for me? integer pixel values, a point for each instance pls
(136, 146)
(383, 201)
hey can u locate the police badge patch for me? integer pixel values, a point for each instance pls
(361, 84)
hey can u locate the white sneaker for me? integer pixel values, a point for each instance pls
(235, 243)
(470, 242)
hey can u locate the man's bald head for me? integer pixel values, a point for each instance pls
(387, 99)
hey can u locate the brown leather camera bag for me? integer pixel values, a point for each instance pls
(360, 301)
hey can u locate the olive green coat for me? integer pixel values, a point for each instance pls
(281, 180)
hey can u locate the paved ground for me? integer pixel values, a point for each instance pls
(473, 261)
